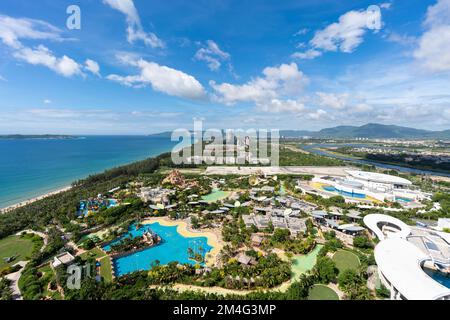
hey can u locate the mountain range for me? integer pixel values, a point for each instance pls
(371, 130)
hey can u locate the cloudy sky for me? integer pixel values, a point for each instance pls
(145, 66)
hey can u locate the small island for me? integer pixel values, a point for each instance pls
(36, 136)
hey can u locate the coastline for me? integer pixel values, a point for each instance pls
(110, 152)
(30, 201)
(213, 238)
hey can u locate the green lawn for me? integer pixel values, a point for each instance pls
(20, 248)
(346, 260)
(95, 253)
(322, 292)
(105, 268)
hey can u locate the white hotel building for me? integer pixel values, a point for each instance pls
(404, 253)
(360, 184)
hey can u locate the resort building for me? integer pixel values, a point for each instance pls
(64, 258)
(412, 261)
(369, 186)
(293, 224)
(155, 195)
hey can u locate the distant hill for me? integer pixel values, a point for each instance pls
(371, 130)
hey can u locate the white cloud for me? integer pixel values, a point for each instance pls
(284, 80)
(273, 92)
(308, 55)
(92, 66)
(135, 31)
(301, 32)
(278, 106)
(2, 78)
(386, 5)
(212, 55)
(161, 78)
(335, 101)
(47, 101)
(402, 39)
(14, 30)
(43, 56)
(345, 35)
(361, 108)
(434, 44)
(317, 115)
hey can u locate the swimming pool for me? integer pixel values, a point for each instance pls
(439, 277)
(402, 199)
(344, 193)
(174, 247)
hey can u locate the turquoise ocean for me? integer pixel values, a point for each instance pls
(32, 167)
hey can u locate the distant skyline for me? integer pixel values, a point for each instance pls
(143, 66)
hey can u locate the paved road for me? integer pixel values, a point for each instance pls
(14, 278)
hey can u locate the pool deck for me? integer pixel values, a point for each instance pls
(183, 228)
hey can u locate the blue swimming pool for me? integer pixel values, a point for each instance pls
(174, 247)
(439, 277)
(344, 193)
(402, 199)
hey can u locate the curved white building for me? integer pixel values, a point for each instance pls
(362, 184)
(401, 255)
(384, 226)
(400, 267)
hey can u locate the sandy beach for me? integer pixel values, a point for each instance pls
(214, 238)
(27, 202)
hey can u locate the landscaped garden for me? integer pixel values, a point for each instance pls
(17, 248)
(105, 263)
(346, 260)
(322, 292)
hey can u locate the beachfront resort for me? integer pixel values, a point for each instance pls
(256, 232)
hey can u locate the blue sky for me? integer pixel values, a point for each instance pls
(138, 66)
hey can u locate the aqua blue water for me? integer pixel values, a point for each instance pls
(344, 193)
(174, 247)
(403, 199)
(439, 277)
(29, 168)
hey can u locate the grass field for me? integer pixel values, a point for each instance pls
(346, 260)
(99, 255)
(322, 292)
(20, 248)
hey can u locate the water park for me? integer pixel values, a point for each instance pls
(172, 246)
(91, 206)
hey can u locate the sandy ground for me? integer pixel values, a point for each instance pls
(183, 228)
(334, 171)
(27, 202)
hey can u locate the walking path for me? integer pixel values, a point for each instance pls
(14, 278)
(40, 234)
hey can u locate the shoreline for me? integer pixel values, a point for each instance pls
(30, 201)
(213, 239)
